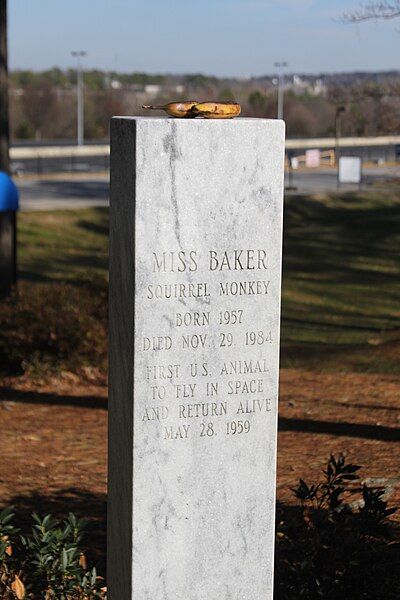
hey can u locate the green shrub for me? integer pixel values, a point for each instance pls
(340, 544)
(47, 563)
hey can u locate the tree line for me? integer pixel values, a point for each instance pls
(43, 104)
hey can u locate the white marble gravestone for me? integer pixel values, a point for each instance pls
(195, 280)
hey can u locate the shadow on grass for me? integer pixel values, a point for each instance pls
(62, 269)
(64, 246)
(344, 429)
(12, 395)
(327, 239)
(341, 274)
(98, 228)
(367, 406)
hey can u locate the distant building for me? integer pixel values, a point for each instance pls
(320, 88)
(303, 85)
(152, 89)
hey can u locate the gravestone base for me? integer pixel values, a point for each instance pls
(195, 280)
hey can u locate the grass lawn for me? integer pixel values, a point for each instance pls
(341, 274)
(67, 246)
(341, 282)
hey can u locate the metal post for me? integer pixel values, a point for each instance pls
(8, 228)
(80, 115)
(281, 87)
(339, 111)
(290, 186)
(79, 96)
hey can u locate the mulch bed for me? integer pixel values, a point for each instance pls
(54, 440)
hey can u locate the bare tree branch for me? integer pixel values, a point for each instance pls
(388, 9)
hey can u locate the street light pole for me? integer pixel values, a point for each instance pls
(80, 100)
(339, 111)
(281, 87)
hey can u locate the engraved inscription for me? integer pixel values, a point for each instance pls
(230, 394)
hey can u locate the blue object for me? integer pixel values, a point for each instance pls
(9, 196)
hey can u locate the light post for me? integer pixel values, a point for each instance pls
(79, 93)
(338, 114)
(281, 86)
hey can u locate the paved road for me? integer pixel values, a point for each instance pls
(325, 180)
(63, 192)
(82, 191)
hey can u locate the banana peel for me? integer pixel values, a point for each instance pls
(190, 109)
(217, 110)
(180, 110)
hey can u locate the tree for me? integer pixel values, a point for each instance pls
(226, 94)
(8, 264)
(36, 96)
(100, 107)
(387, 9)
(258, 103)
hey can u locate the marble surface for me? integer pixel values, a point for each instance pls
(206, 210)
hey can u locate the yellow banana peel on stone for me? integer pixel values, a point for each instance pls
(191, 109)
(216, 110)
(181, 110)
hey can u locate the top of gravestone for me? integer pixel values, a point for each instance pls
(198, 120)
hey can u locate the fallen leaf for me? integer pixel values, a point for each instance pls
(82, 561)
(4, 538)
(18, 588)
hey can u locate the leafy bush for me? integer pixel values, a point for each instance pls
(47, 563)
(49, 327)
(340, 544)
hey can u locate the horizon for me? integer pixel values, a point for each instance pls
(238, 77)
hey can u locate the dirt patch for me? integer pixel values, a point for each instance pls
(354, 414)
(54, 440)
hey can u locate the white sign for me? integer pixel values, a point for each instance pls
(350, 169)
(313, 158)
(294, 162)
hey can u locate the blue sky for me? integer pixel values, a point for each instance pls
(216, 37)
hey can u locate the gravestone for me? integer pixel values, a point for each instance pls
(195, 279)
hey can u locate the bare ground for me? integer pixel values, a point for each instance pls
(54, 440)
